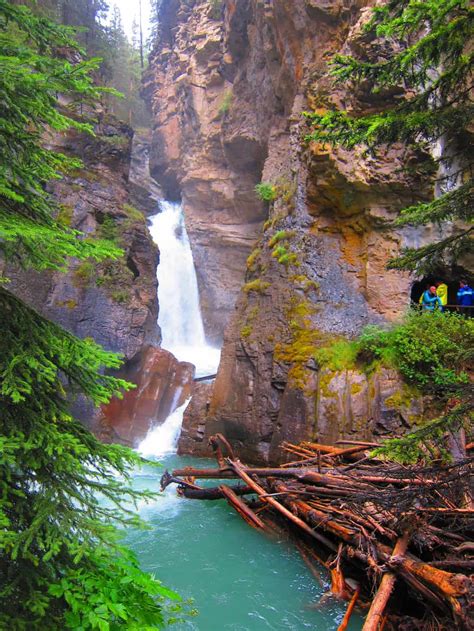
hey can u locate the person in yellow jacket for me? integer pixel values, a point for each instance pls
(442, 292)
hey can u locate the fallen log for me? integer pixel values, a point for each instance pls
(443, 588)
(379, 603)
(350, 609)
(244, 511)
(279, 507)
(212, 493)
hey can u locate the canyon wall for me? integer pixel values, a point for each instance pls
(114, 302)
(228, 82)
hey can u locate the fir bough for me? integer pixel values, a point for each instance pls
(432, 65)
(61, 562)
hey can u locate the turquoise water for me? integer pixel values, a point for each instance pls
(240, 580)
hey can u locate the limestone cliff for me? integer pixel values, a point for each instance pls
(228, 82)
(115, 302)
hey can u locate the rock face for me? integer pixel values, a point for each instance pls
(115, 302)
(227, 83)
(163, 384)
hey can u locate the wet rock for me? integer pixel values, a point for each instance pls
(194, 435)
(163, 384)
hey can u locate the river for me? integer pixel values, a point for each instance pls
(238, 578)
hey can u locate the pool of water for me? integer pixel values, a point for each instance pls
(239, 579)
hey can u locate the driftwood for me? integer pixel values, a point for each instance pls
(377, 608)
(377, 527)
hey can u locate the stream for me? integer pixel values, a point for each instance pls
(238, 578)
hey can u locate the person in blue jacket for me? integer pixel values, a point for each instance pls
(430, 300)
(465, 298)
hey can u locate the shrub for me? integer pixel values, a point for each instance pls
(108, 229)
(432, 350)
(266, 192)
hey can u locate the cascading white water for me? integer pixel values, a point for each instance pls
(180, 315)
(163, 439)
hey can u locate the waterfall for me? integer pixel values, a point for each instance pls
(180, 315)
(163, 439)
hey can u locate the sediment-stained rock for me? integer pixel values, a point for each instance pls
(163, 384)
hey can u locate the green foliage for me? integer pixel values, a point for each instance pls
(65, 215)
(252, 259)
(434, 353)
(135, 215)
(108, 229)
(433, 62)
(84, 273)
(226, 104)
(429, 441)
(341, 355)
(266, 192)
(61, 563)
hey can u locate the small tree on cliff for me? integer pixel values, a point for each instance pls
(433, 63)
(61, 565)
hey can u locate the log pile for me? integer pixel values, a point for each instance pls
(396, 540)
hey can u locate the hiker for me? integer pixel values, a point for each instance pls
(420, 301)
(442, 292)
(430, 300)
(465, 298)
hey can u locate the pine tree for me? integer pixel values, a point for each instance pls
(61, 562)
(432, 62)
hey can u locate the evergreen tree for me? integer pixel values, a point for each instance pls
(432, 62)
(124, 59)
(61, 563)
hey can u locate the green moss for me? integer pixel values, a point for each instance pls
(257, 285)
(287, 259)
(279, 236)
(356, 388)
(83, 274)
(252, 259)
(226, 103)
(303, 282)
(266, 191)
(120, 295)
(278, 251)
(304, 340)
(65, 215)
(245, 331)
(133, 214)
(286, 191)
(339, 355)
(116, 141)
(68, 304)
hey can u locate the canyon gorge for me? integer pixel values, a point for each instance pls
(227, 85)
